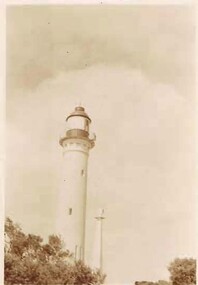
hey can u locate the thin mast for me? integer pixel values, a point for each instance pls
(100, 219)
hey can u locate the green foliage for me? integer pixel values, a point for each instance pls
(160, 282)
(29, 261)
(183, 271)
(163, 282)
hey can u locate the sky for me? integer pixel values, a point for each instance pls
(132, 68)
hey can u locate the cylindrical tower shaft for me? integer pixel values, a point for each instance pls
(72, 200)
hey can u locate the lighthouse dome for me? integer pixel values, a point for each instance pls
(79, 111)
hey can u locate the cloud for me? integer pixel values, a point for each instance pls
(46, 41)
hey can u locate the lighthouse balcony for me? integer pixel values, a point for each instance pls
(76, 134)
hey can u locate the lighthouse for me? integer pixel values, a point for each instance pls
(76, 143)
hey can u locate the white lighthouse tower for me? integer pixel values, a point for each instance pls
(76, 143)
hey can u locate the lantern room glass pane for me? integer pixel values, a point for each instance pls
(86, 125)
(76, 123)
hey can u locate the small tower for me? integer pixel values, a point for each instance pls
(76, 143)
(98, 252)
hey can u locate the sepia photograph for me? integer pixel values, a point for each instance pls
(100, 142)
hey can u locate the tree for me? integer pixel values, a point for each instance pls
(160, 282)
(183, 271)
(163, 282)
(29, 261)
